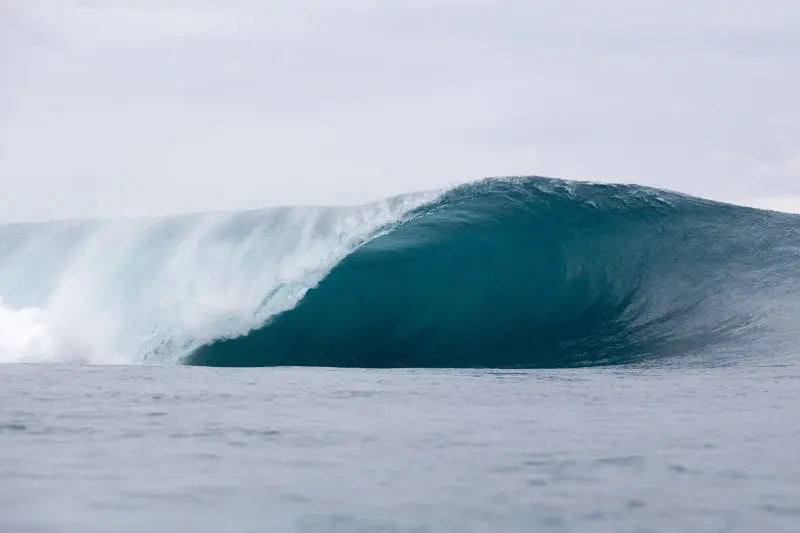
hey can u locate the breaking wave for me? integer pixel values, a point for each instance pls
(500, 273)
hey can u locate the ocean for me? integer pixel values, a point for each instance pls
(516, 354)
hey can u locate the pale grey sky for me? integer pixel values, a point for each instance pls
(127, 108)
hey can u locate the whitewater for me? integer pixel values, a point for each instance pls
(152, 290)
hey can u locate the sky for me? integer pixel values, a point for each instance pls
(140, 108)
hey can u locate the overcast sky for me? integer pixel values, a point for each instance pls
(127, 108)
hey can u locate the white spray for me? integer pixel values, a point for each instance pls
(123, 292)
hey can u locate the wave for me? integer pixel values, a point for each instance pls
(534, 272)
(502, 273)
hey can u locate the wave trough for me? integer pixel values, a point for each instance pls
(501, 273)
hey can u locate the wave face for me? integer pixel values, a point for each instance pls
(534, 272)
(501, 273)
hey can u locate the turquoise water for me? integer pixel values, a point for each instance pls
(143, 448)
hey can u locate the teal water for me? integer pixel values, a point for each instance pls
(539, 273)
(143, 448)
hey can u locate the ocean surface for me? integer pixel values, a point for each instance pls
(516, 354)
(147, 448)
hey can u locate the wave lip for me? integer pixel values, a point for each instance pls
(542, 273)
(154, 290)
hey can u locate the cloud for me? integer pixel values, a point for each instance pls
(173, 105)
(120, 25)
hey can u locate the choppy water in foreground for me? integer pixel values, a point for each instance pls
(147, 448)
